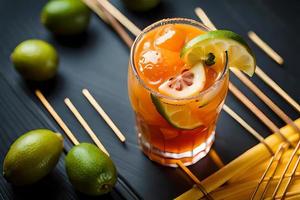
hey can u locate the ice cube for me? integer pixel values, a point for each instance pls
(170, 37)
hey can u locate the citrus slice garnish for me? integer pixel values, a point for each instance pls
(179, 116)
(177, 111)
(239, 53)
(187, 84)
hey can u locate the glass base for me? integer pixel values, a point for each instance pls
(170, 158)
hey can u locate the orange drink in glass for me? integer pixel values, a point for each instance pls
(176, 107)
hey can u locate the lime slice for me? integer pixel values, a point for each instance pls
(239, 53)
(179, 116)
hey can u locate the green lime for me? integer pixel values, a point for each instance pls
(239, 53)
(141, 5)
(90, 170)
(32, 156)
(65, 17)
(179, 115)
(35, 60)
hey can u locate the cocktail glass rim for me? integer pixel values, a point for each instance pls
(174, 21)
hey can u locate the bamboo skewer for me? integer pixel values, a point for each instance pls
(253, 108)
(109, 19)
(264, 98)
(203, 17)
(120, 17)
(56, 117)
(265, 47)
(216, 158)
(276, 158)
(285, 170)
(102, 113)
(277, 88)
(84, 124)
(243, 123)
(116, 26)
(195, 179)
(291, 177)
(94, 7)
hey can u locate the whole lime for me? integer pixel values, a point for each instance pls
(65, 17)
(32, 156)
(90, 170)
(35, 60)
(141, 5)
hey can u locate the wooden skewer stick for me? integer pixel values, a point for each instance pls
(253, 108)
(120, 17)
(56, 117)
(216, 158)
(117, 27)
(85, 125)
(291, 177)
(243, 123)
(93, 6)
(202, 15)
(285, 171)
(195, 179)
(264, 98)
(259, 72)
(265, 47)
(103, 114)
(275, 159)
(204, 18)
(271, 177)
(108, 18)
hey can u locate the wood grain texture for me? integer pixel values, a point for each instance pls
(98, 59)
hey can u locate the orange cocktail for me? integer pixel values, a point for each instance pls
(176, 107)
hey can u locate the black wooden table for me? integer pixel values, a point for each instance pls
(98, 61)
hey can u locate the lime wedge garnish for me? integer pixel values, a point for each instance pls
(239, 53)
(179, 116)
